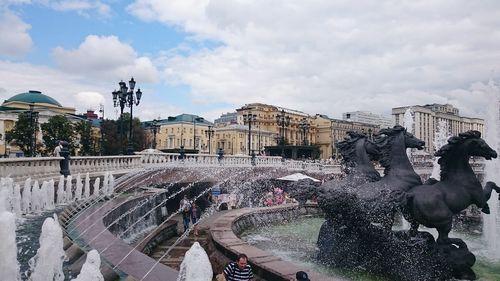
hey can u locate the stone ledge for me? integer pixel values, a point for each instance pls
(264, 263)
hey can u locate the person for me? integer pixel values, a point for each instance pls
(185, 207)
(57, 149)
(239, 270)
(301, 276)
(195, 217)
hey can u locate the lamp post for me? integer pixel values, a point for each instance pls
(283, 121)
(155, 128)
(209, 133)
(248, 119)
(304, 127)
(33, 125)
(199, 119)
(125, 97)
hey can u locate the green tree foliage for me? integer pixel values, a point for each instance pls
(110, 130)
(58, 128)
(110, 138)
(84, 130)
(22, 133)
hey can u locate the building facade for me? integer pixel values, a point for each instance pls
(330, 131)
(426, 118)
(34, 101)
(368, 118)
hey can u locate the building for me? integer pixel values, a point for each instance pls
(426, 117)
(368, 118)
(233, 139)
(330, 131)
(186, 130)
(31, 101)
(226, 119)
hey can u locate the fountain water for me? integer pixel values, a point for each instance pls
(86, 190)
(48, 261)
(9, 267)
(196, 265)
(408, 123)
(26, 200)
(492, 221)
(61, 196)
(441, 137)
(90, 269)
(69, 187)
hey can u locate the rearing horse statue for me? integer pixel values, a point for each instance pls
(381, 199)
(434, 205)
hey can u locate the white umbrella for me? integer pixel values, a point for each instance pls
(297, 177)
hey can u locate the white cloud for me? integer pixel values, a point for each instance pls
(323, 56)
(16, 40)
(83, 7)
(105, 58)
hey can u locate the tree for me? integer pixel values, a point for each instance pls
(22, 133)
(110, 140)
(84, 130)
(56, 129)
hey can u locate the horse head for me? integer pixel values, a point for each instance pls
(395, 140)
(469, 142)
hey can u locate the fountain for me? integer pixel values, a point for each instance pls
(196, 266)
(492, 221)
(90, 269)
(441, 137)
(358, 232)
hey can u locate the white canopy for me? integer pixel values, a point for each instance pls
(297, 177)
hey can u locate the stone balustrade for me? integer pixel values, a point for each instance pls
(48, 167)
(36, 167)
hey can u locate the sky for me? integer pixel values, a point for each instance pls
(209, 57)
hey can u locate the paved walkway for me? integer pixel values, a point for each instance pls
(113, 249)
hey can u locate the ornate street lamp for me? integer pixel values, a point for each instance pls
(155, 128)
(304, 127)
(125, 97)
(209, 133)
(197, 119)
(34, 115)
(248, 119)
(283, 121)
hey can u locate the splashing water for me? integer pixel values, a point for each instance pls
(196, 265)
(9, 267)
(90, 269)
(492, 221)
(47, 264)
(441, 137)
(408, 123)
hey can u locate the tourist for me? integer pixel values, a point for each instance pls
(302, 276)
(185, 208)
(239, 270)
(195, 217)
(57, 150)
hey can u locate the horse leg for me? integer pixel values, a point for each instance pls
(488, 188)
(444, 239)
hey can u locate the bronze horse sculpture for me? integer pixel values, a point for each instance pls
(433, 205)
(382, 199)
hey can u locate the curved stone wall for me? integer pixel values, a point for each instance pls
(226, 228)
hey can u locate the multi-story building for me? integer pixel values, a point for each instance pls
(426, 117)
(187, 130)
(330, 131)
(368, 118)
(226, 119)
(31, 101)
(233, 139)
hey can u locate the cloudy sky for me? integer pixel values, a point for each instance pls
(209, 57)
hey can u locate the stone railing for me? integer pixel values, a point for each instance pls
(35, 167)
(48, 167)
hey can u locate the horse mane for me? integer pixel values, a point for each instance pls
(347, 148)
(446, 151)
(383, 141)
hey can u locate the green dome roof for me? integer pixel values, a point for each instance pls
(34, 97)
